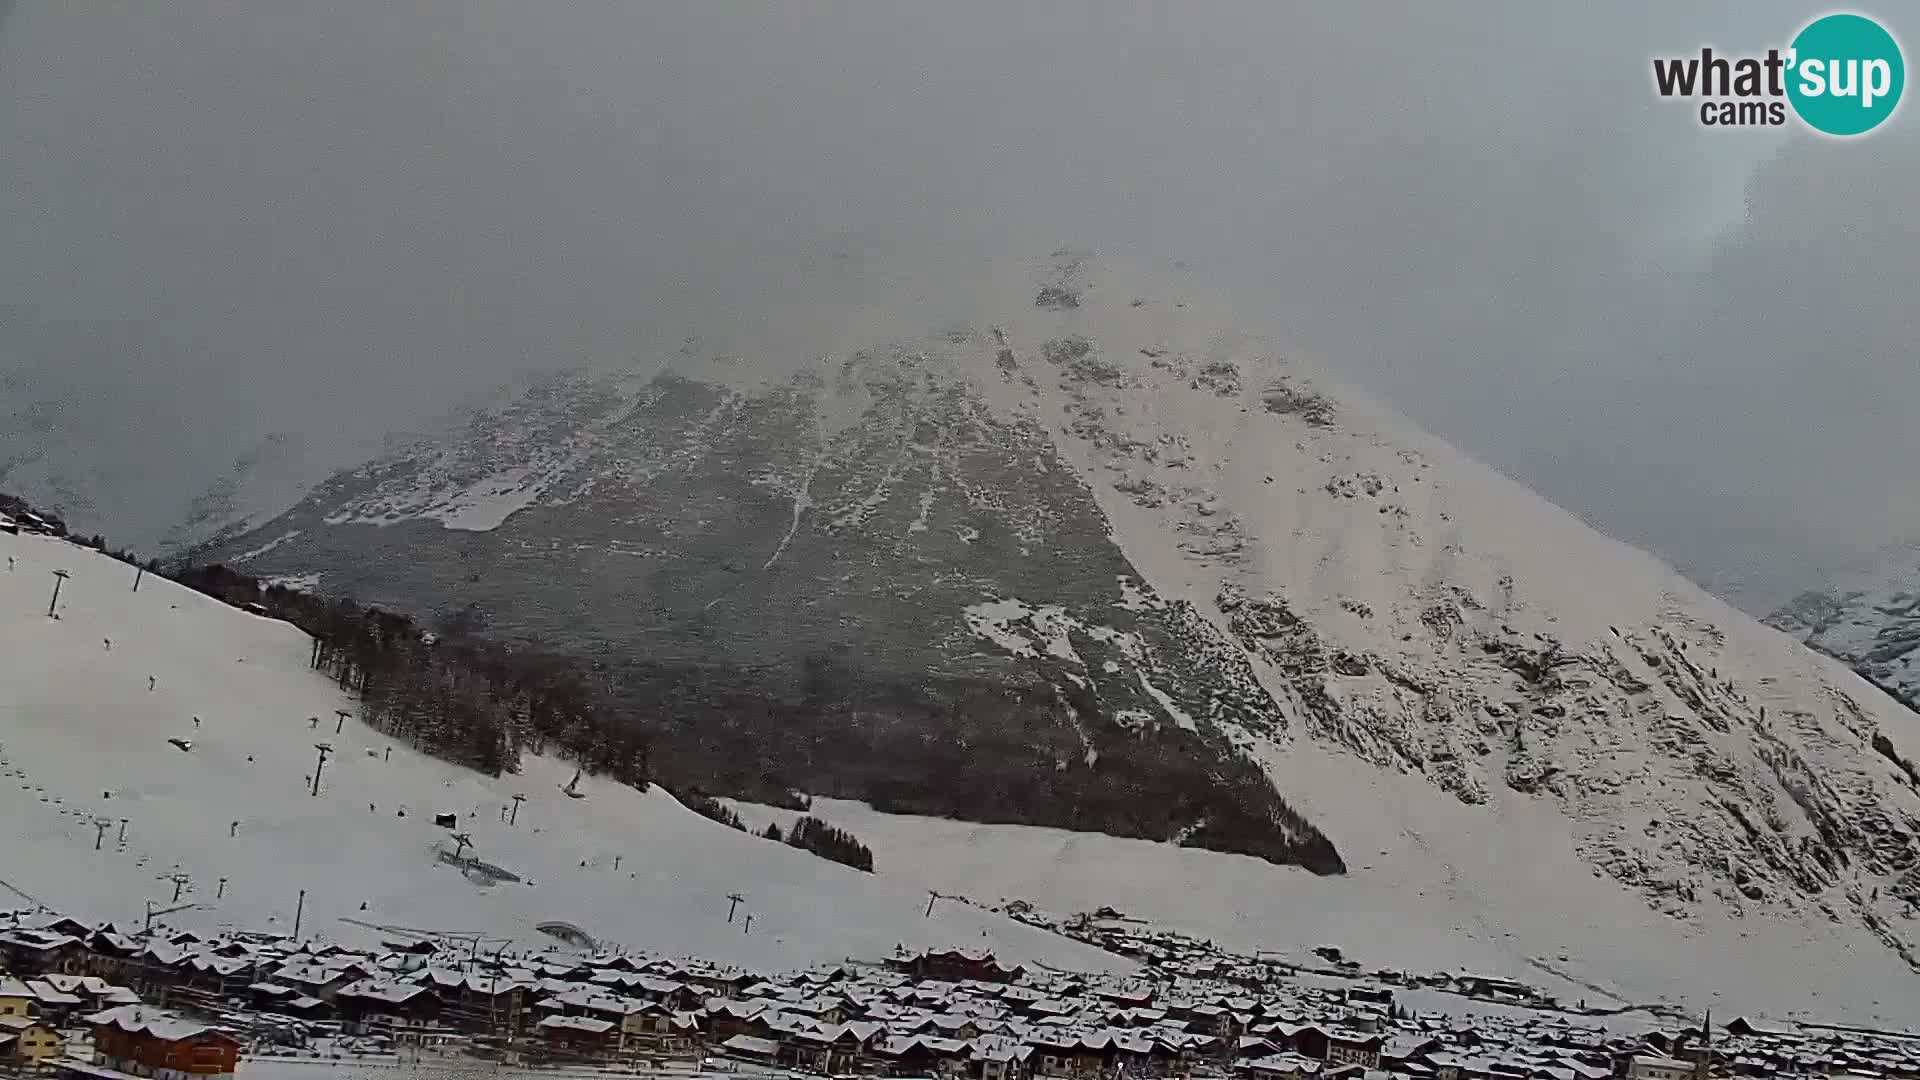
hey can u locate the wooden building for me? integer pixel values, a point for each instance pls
(148, 1042)
(956, 965)
(582, 1037)
(42, 952)
(16, 998)
(28, 1044)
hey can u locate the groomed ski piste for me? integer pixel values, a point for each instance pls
(230, 822)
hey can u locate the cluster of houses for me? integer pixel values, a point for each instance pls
(39, 1017)
(99, 1002)
(1172, 953)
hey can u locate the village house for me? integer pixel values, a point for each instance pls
(634, 1024)
(55, 1005)
(308, 975)
(1135, 997)
(1307, 1040)
(405, 1012)
(205, 979)
(16, 998)
(587, 1038)
(834, 1049)
(725, 1019)
(152, 970)
(1291, 1066)
(494, 1002)
(89, 992)
(1215, 1020)
(67, 926)
(28, 1044)
(676, 996)
(1655, 1067)
(36, 525)
(1494, 988)
(40, 952)
(1346, 1046)
(922, 1055)
(111, 955)
(751, 1048)
(1070, 1055)
(706, 980)
(408, 956)
(1746, 1026)
(999, 1057)
(147, 1042)
(956, 965)
(1408, 1054)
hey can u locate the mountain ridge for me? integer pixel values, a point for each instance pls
(1098, 478)
(733, 561)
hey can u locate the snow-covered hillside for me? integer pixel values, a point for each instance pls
(83, 738)
(1535, 749)
(1553, 738)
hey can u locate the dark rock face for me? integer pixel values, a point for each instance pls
(857, 584)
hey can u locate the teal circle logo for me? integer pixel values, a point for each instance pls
(1847, 74)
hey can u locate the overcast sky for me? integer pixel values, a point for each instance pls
(223, 219)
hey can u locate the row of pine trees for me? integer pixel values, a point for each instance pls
(477, 703)
(808, 834)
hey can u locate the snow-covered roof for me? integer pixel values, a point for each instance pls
(47, 994)
(584, 1024)
(382, 990)
(142, 1020)
(748, 1044)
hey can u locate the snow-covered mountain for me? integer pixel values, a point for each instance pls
(1869, 618)
(1099, 521)
(209, 767)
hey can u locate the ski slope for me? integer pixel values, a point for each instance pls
(1430, 888)
(84, 739)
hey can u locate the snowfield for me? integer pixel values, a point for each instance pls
(84, 739)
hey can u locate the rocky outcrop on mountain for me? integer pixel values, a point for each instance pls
(1088, 560)
(1870, 619)
(1650, 729)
